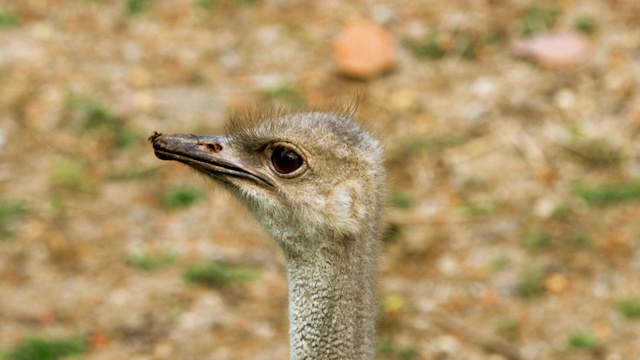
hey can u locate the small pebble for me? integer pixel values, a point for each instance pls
(556, 283)
(382, 13)
(447, 344)
(403, 99)
(554, 50)
(544, 208)
(139, 77)
(484, 87)
(230, 59)
(565, 99)
(3, 139)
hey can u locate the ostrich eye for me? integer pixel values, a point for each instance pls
(285, 160)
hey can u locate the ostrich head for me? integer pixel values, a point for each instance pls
(306, 175)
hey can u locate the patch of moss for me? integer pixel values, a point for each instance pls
(418, 146)
(582, 240)
(9, 210)
(100, 120)
(216, 274)
(436, 45)
(509, 329)
(8, 19)
(530, 283)
(597, 152)
(539, 19)
(70, 175)
(585, 24)
(499, 262)
(431, 47)
(561, 212)
(134, 7)
(210, 4)
(38, 348)
(149, 262)
(629, 308)
(608, 194)
(583, 339)
(401, 199)
(392, 233)
(389, 349)
(180, 197)
(539, 240)
(285, 94)
(477, 209)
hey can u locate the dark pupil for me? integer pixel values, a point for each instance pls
(285, 161)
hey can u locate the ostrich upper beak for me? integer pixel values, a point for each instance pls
(207, 153)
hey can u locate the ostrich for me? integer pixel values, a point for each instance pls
(315, 181)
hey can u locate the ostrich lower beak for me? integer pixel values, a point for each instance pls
(206, 153)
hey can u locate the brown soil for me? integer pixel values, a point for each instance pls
(492, 252)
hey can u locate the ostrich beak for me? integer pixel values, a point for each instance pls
(207, 153)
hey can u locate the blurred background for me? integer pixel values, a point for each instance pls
(512, 133)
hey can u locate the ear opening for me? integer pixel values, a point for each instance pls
(344, 207)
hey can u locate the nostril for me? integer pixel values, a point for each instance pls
(211, 147)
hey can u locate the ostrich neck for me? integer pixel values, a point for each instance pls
(332, 303)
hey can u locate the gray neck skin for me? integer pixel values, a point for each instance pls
(332, 300)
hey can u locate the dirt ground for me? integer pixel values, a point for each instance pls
(514, 187)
